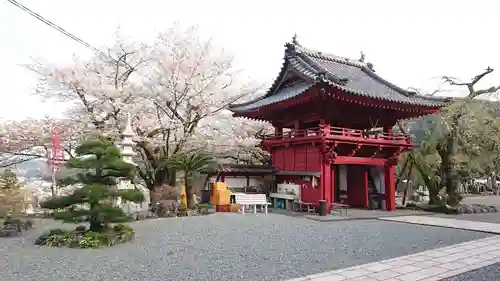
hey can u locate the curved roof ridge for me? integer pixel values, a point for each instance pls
(330, 57)
(351, 76)
(356, 63)
(279, 79)
(283, 94)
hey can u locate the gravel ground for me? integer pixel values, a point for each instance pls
(225, 247)
(488, 273)
(487, 217)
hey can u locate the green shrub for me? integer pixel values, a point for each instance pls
(57, 240)
(18, 224)
(83, 238)
(182, 211)
(119, 227)
(202, 209)
(91, 240)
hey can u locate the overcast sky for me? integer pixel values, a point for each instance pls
(409, 42)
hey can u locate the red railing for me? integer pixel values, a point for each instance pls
(342, 133)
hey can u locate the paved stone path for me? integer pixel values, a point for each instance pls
(449, 223)
(430, 265)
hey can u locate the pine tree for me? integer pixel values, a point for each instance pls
(9, 181)
(99, 166)
(11, 195)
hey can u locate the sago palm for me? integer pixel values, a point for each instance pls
(189, 163)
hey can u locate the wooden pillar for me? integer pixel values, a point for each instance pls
(390, 188)
(296, 128)
(333, 180)
(365, 184)
(326, 127)
(325, 180)
(278, 131)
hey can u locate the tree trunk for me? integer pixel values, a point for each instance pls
(403, 170)
(433, 195)
(450, 177)
(172, 177)
(432, 185)
(152, 198)
(494, 182)
(53, 190)
(408, 183)
(189, 192)
(95, 223)
(433, 188)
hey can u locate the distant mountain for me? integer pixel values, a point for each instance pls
(33, 169)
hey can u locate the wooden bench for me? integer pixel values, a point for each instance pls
(252, 200)
(338, 207)
(311, 207)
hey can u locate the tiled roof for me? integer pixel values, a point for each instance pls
(348, 75)
(248, 169)
(280, 95)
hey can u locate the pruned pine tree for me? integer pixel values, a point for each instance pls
(99, 166)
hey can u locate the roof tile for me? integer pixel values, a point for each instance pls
(348, 75)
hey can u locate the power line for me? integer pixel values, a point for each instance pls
(61, 30)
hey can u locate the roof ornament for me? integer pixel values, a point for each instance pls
(294, 40)
(370, 66)
(291, 48)
(362, 57)
(321, 77)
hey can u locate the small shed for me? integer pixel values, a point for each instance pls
(244, 177)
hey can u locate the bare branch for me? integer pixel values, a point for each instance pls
(490, 90)
(478, 77)
(470, 85)
(454, 81)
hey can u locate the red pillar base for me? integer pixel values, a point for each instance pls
(326, 181)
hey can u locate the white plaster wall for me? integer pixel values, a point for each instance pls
(378, 176)
(342, 177)
(256, 181)
(233, 182)
(236, 182)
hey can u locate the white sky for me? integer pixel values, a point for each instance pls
(409, 42)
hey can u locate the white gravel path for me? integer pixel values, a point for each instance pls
(225, 247)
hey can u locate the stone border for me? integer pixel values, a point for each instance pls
(485, 227)
(431, 265)
(330, 218)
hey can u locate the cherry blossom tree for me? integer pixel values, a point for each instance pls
(177, 90)
(29, 139)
